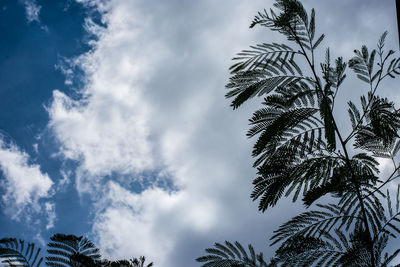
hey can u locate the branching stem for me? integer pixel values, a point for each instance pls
(347, 157)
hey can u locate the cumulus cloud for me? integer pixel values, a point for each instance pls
(153, 99)
(24, 184)
(104, 133)
(151, 102)
(139, 217)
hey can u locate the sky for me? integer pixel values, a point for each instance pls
(114, 125)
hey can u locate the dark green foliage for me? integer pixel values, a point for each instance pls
(363, 63)
(127, 263)
(259, 54)
(306, 251)
(15, 253)
(301, 150)
(297, 133)
(232, 255)
(382, 123)
(293, 22)
(324, 236)
(70, 250)
(295, 127)
(262, 80)
(64, 251)
(306, 175)
(357, 251)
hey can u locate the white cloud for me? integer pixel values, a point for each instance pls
(105, 131)
(176, 91)
(40, 240)
(153, 100)
(160, 100)
(50, 209)
(139, 217)
(65, 181)
(24, 182)
(32, 10)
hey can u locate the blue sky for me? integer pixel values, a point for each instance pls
(31, 49)
(113, 122)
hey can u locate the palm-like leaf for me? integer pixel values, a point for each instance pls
(232, 255)
(293, 22)
(281, 176)
(383, 122)
(257, 55)
(262, 80)
(70, 250)
(15, 253)
(363, 64)
(307, 238)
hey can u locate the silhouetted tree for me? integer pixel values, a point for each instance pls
(63, 251)
(302, 151)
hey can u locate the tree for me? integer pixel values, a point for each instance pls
(63, 251)
(301, 150)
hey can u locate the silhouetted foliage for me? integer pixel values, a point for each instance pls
(14, 252)
(301, 151)
(63, 251)
(127, 263)
(229, 254)
(70, 250)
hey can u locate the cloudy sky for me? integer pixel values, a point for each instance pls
(113, 122)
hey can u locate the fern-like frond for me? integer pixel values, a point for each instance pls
(380, 133)
(393, 69)
(313, 223)
(248, 84)
(364, 168)
(390, 226)
(285, 125)
(354, 115)
(357, 255)
(232, 255)
(257, 55)
(362, 64)
(384, 119)
(333, 75)
(293, 22)
(307, 251)
(67, 250)
(13, 252)
(282, 173)
(310, 240)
